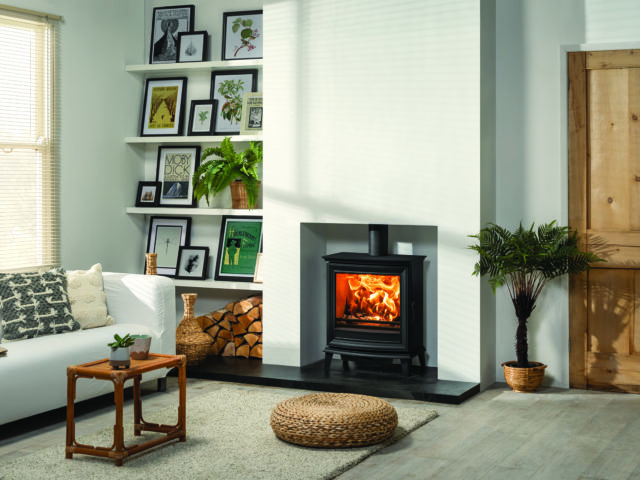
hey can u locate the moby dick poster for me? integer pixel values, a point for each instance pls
(175, 169)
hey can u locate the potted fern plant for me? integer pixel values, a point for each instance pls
(119, 356)
(229, 168)
(524, 261)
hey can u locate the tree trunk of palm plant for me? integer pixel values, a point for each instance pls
(524, 305)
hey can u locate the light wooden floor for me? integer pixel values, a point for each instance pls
(498, 434)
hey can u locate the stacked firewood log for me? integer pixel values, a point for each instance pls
(236, 329)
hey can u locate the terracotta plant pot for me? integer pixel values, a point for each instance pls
(140, 348)
(524, 380)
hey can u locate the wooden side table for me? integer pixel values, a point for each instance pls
(101, 370)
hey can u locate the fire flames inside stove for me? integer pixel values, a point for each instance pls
(366, 300)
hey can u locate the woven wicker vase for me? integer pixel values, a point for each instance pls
(152, 261)
(524, 380)
(239, 195)
(191, 341)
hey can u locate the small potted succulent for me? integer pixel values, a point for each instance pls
(524, 261)
(229, 168)
(119, 357)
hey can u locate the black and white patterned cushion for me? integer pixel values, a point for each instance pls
(35, 304)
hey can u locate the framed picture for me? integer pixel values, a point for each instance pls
(166, 236)
(163, 106)
(167, 24)
(201, 118)
(238, 248)
(242, 35)
(252, 113)
(192, 46)
(257, 275)
(192, 263)
(148, 194)
(228, 87)
(175, 169)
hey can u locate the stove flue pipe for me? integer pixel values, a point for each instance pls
(378, 240)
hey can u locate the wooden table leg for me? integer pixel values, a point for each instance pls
(118, 429)
(137, 407)
(182, 409)
(71, 398)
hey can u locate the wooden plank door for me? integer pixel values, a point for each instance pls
(604, 206)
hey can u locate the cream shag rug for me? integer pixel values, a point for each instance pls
(228, 436)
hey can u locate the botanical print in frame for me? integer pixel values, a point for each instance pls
(227, 88)
(163, 106)
(148, 194)
(175, 169)
(242, 35)
(167, 24)
(166, 236)
(201, 118)
(192, 263)
(192, 47)
(252, 113)
(238, 248)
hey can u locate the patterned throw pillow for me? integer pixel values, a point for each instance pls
(35, 304)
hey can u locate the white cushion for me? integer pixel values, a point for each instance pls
(86, 295)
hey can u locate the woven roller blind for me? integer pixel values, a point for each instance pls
(29, 235)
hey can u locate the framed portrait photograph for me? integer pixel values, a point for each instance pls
(163, 106)
(175, 169)
(192, 46)
(228, 88)
(167, 24)
(166, 236)
(238, 248)
(242, 35)
(148, 194)
(201, 118)
(252, 113)
(192, 263)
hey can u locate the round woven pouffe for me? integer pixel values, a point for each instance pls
(334, 420)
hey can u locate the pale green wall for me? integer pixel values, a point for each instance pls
(99, 173)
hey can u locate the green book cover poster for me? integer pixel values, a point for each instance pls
(241, 246)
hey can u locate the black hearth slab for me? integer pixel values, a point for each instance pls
(381, 380)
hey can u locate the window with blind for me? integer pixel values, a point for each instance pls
(28, 165)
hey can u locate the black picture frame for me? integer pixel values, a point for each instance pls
(148, 194)
(166, 24)
(230, 102)
(241, 40)
(175, 167)
(192, 263)
(240, 237)
(197, 125)
(193, 47)
(172, 233)
(163, 107)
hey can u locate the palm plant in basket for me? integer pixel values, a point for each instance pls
(524, 261)
(228, 166)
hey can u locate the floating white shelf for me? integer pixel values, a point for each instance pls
(192, 211)
(193, 139)
(193, 67)
(217, 284)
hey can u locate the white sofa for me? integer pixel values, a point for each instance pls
(33, 374)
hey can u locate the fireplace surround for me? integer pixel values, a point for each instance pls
(375, 304)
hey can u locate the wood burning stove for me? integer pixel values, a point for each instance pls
(375, 304)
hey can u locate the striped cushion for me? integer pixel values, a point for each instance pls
(35, 304)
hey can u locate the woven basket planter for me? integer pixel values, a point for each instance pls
(334, 420)
(239, 195)
(191, 341)
(524, 380)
